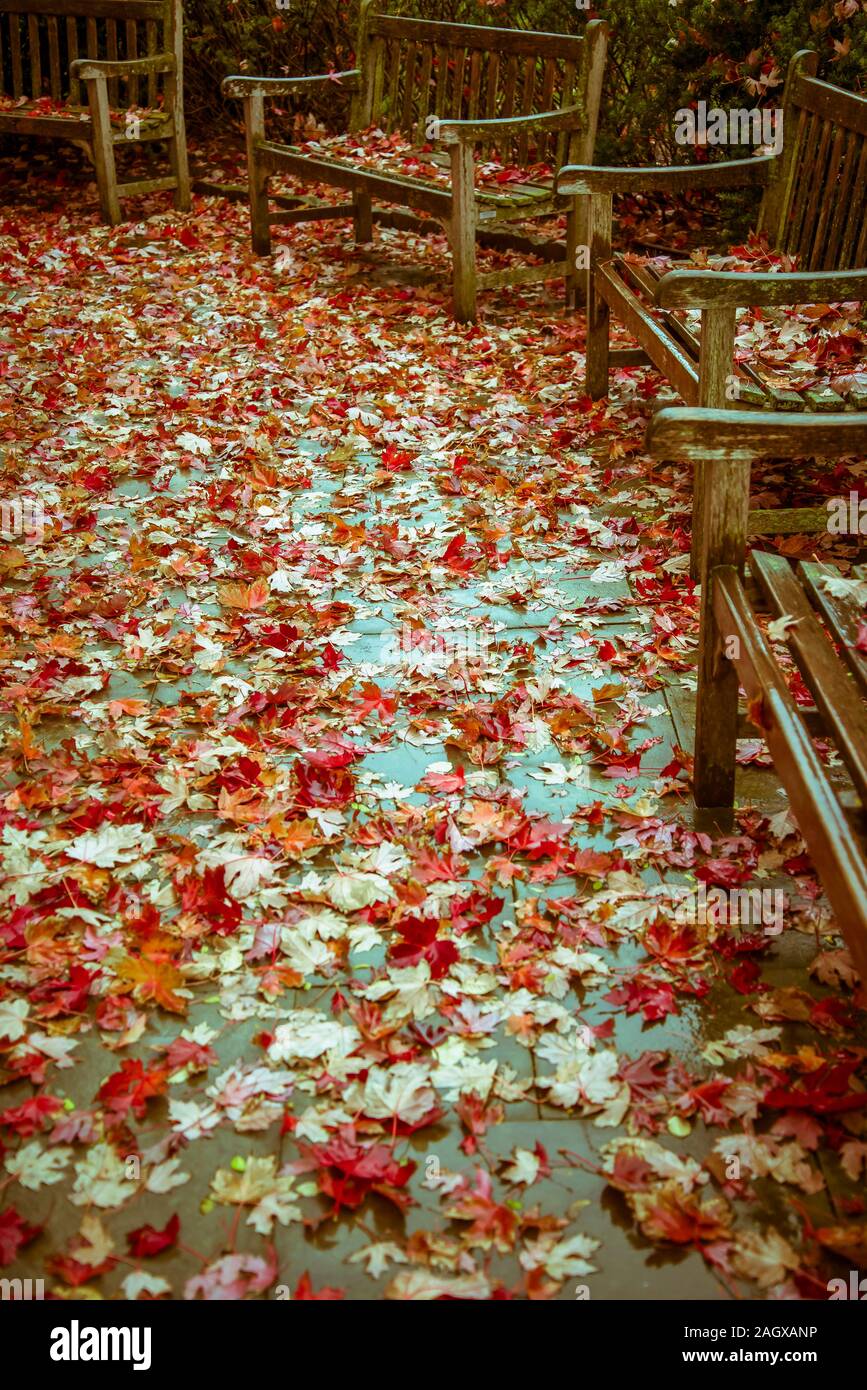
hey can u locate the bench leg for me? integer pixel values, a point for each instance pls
(715, 364)
(726, 503)
(362, 216)
(577, 253)
(103, 150)
(598, 317)
(462, 234)
(178, 152)
(254, 122)
(716, 715)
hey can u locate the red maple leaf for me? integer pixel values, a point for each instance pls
(493, 1225)
(145, 1241)
(14, 1233)
(321, 786)
(207, 898)
(27, 1119)
(654, 998)
(304, 1290)
(420, 942)
(132, 1087)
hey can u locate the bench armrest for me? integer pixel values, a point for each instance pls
(708, 289)
(83, 69)
(285, 86)
(675, 178)
(692, 433)
(487, 132)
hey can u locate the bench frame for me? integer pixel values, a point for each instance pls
(103, 80)
(733, 651)
(431, 50)
(824, 140)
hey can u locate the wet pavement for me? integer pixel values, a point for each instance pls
(412, 561)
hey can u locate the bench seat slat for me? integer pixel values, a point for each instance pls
(841, 613)
(824, 675)
(834, 848)
(660, 347)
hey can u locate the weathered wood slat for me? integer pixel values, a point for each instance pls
(836, 698)
(71, 55)
(424, 84)
(838, 856)
(510, 83)
(812, 204)
(830, 103)
(145, 186)
(15, 52)
(415, 193)
(823, 399)
(111, 53)
(733, 649)
(523, 275)
(442, 65)
(152, 37)
(34, 55)
(407, 115)
(854, 215)
(393, 68)
(475, 83)
(54, 59)
(570, 71)
(491, 90)
(521, 42)
(94, 9)
(529, 87)
(841, 612)
(787, 521)
(131, 54)
(664, 354)
(546, 102)
(828, 202)
(802, 183)
(842, 201)
(459, 59)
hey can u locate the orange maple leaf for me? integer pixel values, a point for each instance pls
(152, 980)
(244, 596)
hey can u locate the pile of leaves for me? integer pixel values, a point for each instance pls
(345, 832)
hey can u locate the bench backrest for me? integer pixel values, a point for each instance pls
(413, 69)
(40, 38)
(816, 208)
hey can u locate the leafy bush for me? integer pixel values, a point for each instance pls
(663, 54)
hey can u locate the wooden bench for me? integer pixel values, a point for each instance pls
(98, 74)
(814, 209)
(531, 98)
(733, 650)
